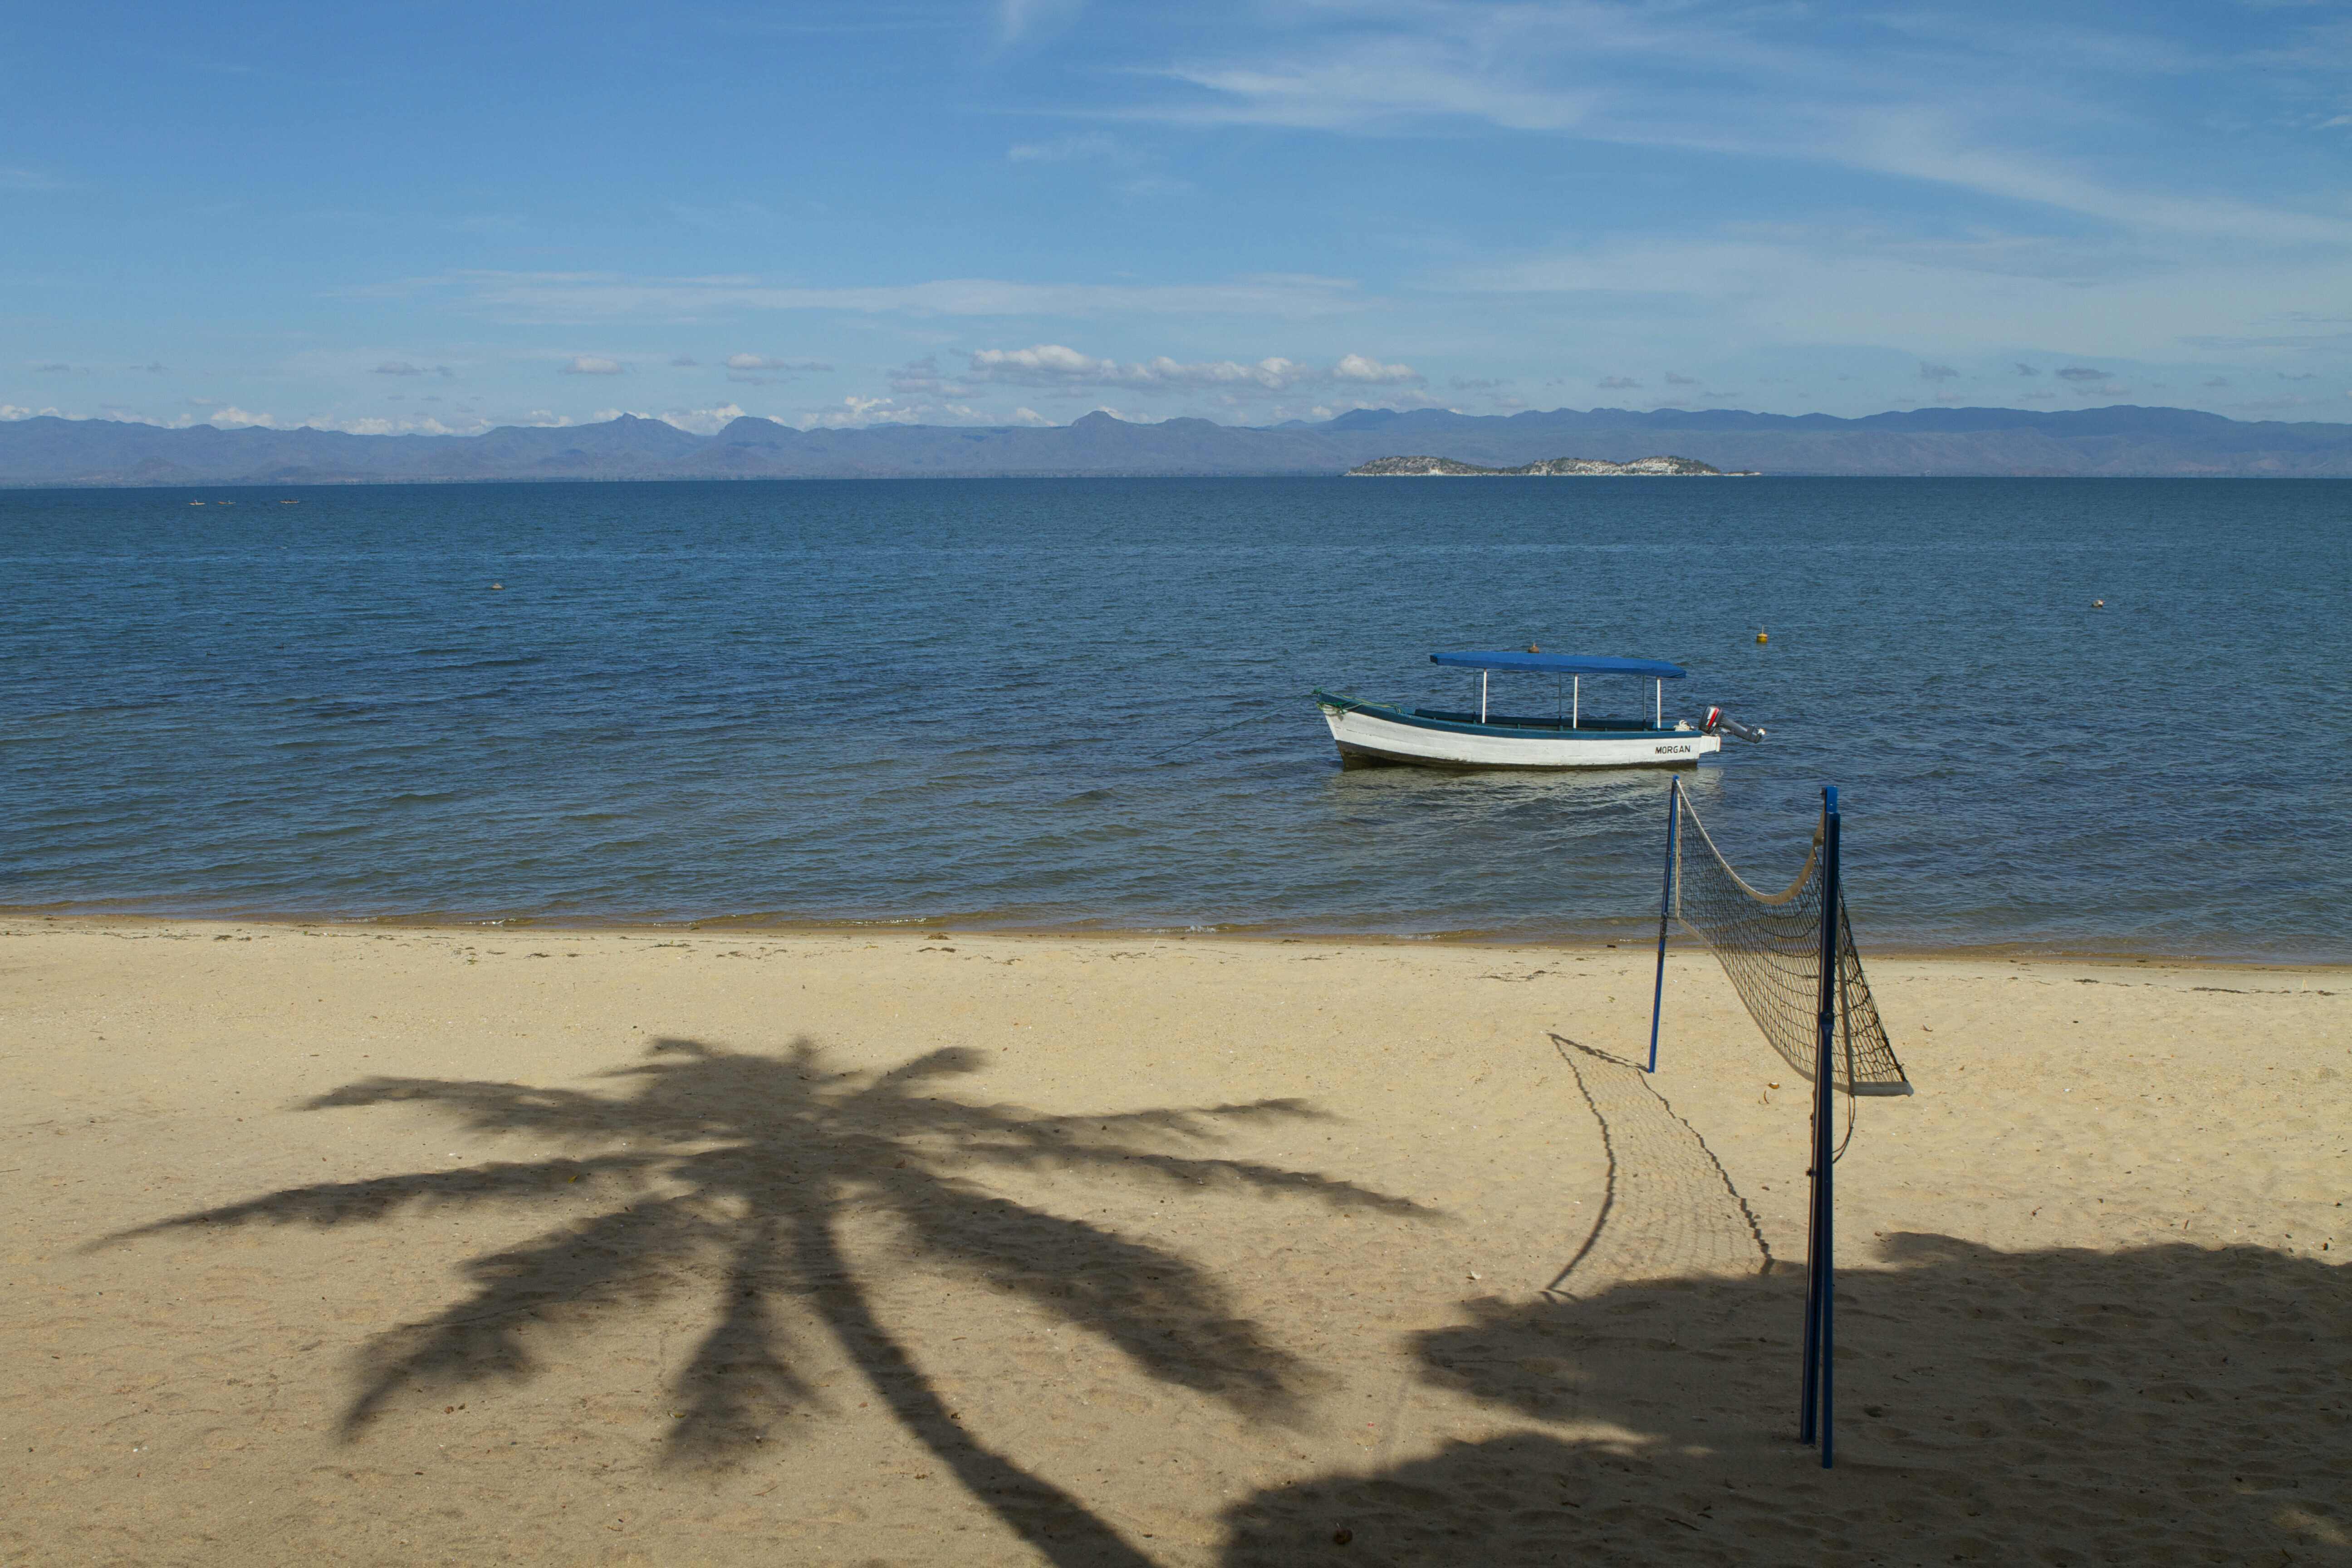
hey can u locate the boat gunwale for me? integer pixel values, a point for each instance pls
(1333, 702)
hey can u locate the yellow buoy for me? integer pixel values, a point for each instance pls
(497, 584)
(1761, 638)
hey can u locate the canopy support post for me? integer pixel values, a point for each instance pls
(1576, 704)
(1658, 719)
(1482, 697)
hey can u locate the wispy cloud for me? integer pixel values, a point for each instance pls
(593, 365)
(1080, 147)
(1055, 365)
(763, 362)
(1018, 21)
(560, 297)
(1900, 95)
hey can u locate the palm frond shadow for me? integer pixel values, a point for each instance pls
(740, 1169)
(2164, 1403)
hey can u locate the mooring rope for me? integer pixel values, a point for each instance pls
(1207, 734)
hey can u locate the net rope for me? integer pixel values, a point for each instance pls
(1770, 944)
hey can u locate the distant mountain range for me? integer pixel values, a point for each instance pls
(2118, 441)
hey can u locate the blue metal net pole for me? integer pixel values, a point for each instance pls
(1665, 913)
(1821, 1290)
(1792, 958)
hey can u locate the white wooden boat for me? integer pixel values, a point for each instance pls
(1372, 734)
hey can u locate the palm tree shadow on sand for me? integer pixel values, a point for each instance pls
(756, 1163)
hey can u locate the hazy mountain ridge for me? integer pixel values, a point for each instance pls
(2124, 440)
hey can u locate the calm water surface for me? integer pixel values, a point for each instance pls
(990, 702)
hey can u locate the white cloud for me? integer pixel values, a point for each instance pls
(1056, 365)
(228, 416)
(853, 412)
(593, 365)
(423, 425)
(1357, 368)
(1031, 417)
(12, 411)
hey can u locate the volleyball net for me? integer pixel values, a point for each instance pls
(1791, 957)
(1771, 946)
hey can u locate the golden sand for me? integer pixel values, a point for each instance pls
(355, 1244)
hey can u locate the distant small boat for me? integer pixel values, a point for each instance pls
(1372, 734)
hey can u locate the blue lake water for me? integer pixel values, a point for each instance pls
(988, 702)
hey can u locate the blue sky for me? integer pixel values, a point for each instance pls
(442, 218)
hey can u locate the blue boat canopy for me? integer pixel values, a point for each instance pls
(1564, 663)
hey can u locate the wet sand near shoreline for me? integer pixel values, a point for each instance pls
(359, 1245)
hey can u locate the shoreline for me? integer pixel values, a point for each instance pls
(759, 926)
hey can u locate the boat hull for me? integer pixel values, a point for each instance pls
(1371, 736)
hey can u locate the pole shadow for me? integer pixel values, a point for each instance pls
(754, 1162)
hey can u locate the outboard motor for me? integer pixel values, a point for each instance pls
(1719, 721)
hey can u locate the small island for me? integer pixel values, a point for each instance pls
(1446, 468)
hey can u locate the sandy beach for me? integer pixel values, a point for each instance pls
(356, 1244)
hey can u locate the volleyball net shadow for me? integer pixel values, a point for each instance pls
(1667, 1206)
